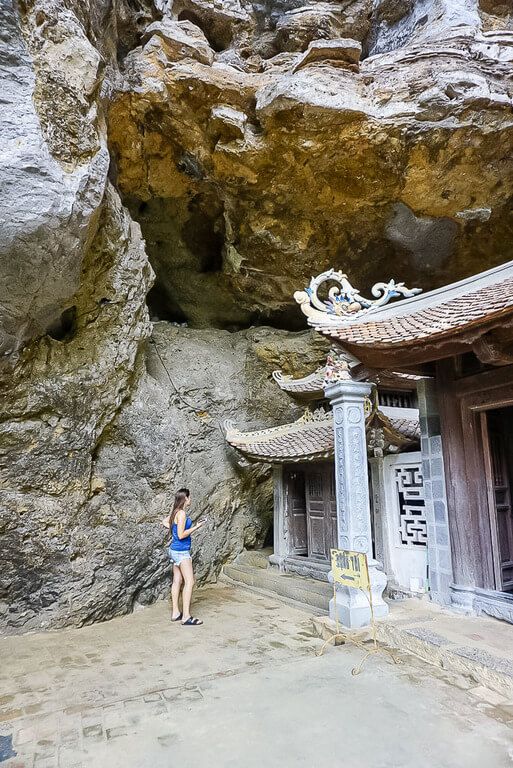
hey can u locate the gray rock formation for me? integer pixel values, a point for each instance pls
(256, 143)
(96, 439)
(54, 170)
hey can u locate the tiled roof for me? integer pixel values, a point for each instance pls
(407, 428)
(313, 384)
(446, 311)
(307, 439)
(310, 438)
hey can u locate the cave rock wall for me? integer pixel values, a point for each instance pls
(171, 162)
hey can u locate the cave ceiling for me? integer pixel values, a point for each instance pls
(258, 144)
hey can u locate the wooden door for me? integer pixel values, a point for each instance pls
(321, 511)
(294, 481)
(316, 513)
(500, 461)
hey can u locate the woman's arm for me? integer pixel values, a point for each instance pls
(180, 526)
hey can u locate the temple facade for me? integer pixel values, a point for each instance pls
(406, 449)
(458, 342)
(303, 456)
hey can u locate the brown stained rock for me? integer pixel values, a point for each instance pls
(299, 27)
(181, 40)
(393, 11)
(341, 52)
(326, 158)
(229, 121)
(496, 7)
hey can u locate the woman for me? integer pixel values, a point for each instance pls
(181, 528)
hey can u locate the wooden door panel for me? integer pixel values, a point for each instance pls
(321, 506)
(296, 511)
(315, 513)
(316, 537)
(501, 455)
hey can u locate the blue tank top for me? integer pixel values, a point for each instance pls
(181, 545)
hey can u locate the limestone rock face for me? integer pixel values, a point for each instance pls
(56, 401)
(96, 436)
(399, 167)
(54, 156)
(54, 170)
(233, 148)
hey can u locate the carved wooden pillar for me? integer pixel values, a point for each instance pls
(353, 508)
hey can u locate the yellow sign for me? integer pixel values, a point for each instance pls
(350, 568)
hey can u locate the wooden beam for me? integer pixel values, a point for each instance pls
(486, 380)
(365, 373)
(490, 351)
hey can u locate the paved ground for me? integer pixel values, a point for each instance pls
(245, 690)
(478, 646)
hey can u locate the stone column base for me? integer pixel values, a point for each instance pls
(352, 605)
(277, 561)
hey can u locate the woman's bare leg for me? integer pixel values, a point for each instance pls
(175, 591)
(188, 577)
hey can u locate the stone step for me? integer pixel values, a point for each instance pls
(258, 558)
(309, 592)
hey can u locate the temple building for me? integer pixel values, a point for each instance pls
(438, 514)
(302, 454)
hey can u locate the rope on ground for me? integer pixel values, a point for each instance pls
(355, 641)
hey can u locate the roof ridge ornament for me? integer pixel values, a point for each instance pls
(281, 377)
(317, 414)
(337, 369)
(345, 302)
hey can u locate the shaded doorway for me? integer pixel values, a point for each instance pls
(499, 465)
(269, 538)
(311, 510)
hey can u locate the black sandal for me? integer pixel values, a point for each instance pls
(177, 618)
(192, 622)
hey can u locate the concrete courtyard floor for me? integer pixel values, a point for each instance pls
(244, 690)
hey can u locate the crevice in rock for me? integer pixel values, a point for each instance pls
(219, 40)
(162, 306)
(284, 319)
(65, 327)
(204, 235)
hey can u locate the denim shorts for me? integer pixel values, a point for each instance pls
(179, 557)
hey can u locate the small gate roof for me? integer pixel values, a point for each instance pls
(310, 438)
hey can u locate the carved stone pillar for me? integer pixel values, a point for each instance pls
(347, 399)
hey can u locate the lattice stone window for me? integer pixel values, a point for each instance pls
(409, 484)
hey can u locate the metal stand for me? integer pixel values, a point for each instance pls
(359, 643)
